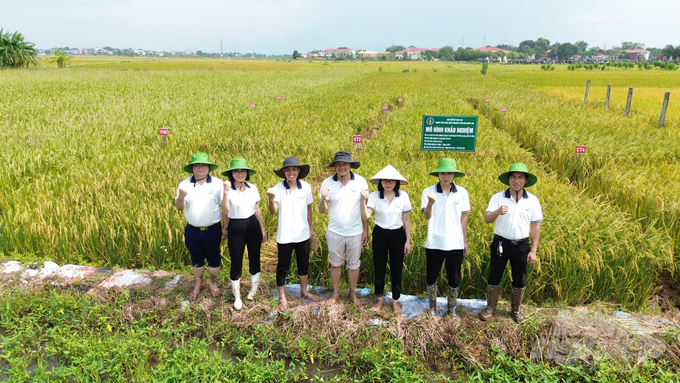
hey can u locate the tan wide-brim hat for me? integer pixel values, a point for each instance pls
(388, 173)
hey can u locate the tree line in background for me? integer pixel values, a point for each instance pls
(15, 52)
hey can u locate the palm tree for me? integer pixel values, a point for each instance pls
(61, 57)
(15, 52)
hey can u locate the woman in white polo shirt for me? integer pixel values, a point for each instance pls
(445, 206)
(245, 227)
(392, 231)
(292, 200)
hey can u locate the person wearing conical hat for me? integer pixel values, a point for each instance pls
(244, 226)
(200, 197)
(518, 217)
(347, 232)
(446, 207)
(292, 200)
(391, 233)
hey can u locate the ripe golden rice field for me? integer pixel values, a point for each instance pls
(86, 178)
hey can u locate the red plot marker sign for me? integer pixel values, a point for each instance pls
(252, 105)
(386, 107)
(280, 98)
(163, 132)
(504, 109)
(487, 100)
(579, 150)
(357, 139)
(400, 99)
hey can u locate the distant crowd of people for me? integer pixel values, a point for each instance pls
(216, 210)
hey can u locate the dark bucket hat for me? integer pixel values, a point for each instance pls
(292, 161)
(343, 156)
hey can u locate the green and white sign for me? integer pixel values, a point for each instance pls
(452, 133)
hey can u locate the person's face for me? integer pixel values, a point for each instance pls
(517, 180)
(446, 178)
(200, 170)
(388, 185)
(291, 173)
(239, 174)
(342, 168)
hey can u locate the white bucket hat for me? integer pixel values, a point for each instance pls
(389, 173)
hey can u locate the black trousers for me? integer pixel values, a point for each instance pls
(388, 241)
(242, 233)
(285, 255)
(516, 254)
(435, 259)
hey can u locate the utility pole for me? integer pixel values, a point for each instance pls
(221, 50)
(484, 41)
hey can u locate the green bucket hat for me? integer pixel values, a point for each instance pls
(239, 163)
(518, 167)
(199, 158)
(447, 165)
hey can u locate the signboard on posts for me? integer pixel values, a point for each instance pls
(581, 149)
(450, 133)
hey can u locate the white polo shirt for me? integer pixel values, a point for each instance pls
(293, 204)
(242, 204)
(344, 210)
(203, 202)
(444, 230)
(516, 223)
(388, 214)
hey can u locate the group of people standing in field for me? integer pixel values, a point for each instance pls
(217, 210)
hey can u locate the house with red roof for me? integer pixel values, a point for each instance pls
(637, 54)
(491, 50)
(346, 52)
(413, 53)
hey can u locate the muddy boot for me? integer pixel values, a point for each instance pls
(516, 301)
(491, 302)
(236, 289)
(452, 301)
(254, 282)
(432, 297)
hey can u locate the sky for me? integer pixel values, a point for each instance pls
(281, 26)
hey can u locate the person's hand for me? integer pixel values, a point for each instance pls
(324, 193)
(264, 237)
(225, 233)
(531, 257)
(364, 194)
(431, 198)
(227, 186)
(183, 192)
(503, 209)
(364, 238)
(407, 248)
(271, 194)
(465, 249)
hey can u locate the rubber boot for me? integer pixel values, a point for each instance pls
(432, 297)
(236, 289)
(492, 293)
(452, 301)
(516, 301)
(254, 282)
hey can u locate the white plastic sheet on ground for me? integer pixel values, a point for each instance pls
(411, 305)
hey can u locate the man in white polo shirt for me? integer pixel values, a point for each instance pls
(293, 200)
(518, 216)
(347, 232)
(445, 206)
(200, 197)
